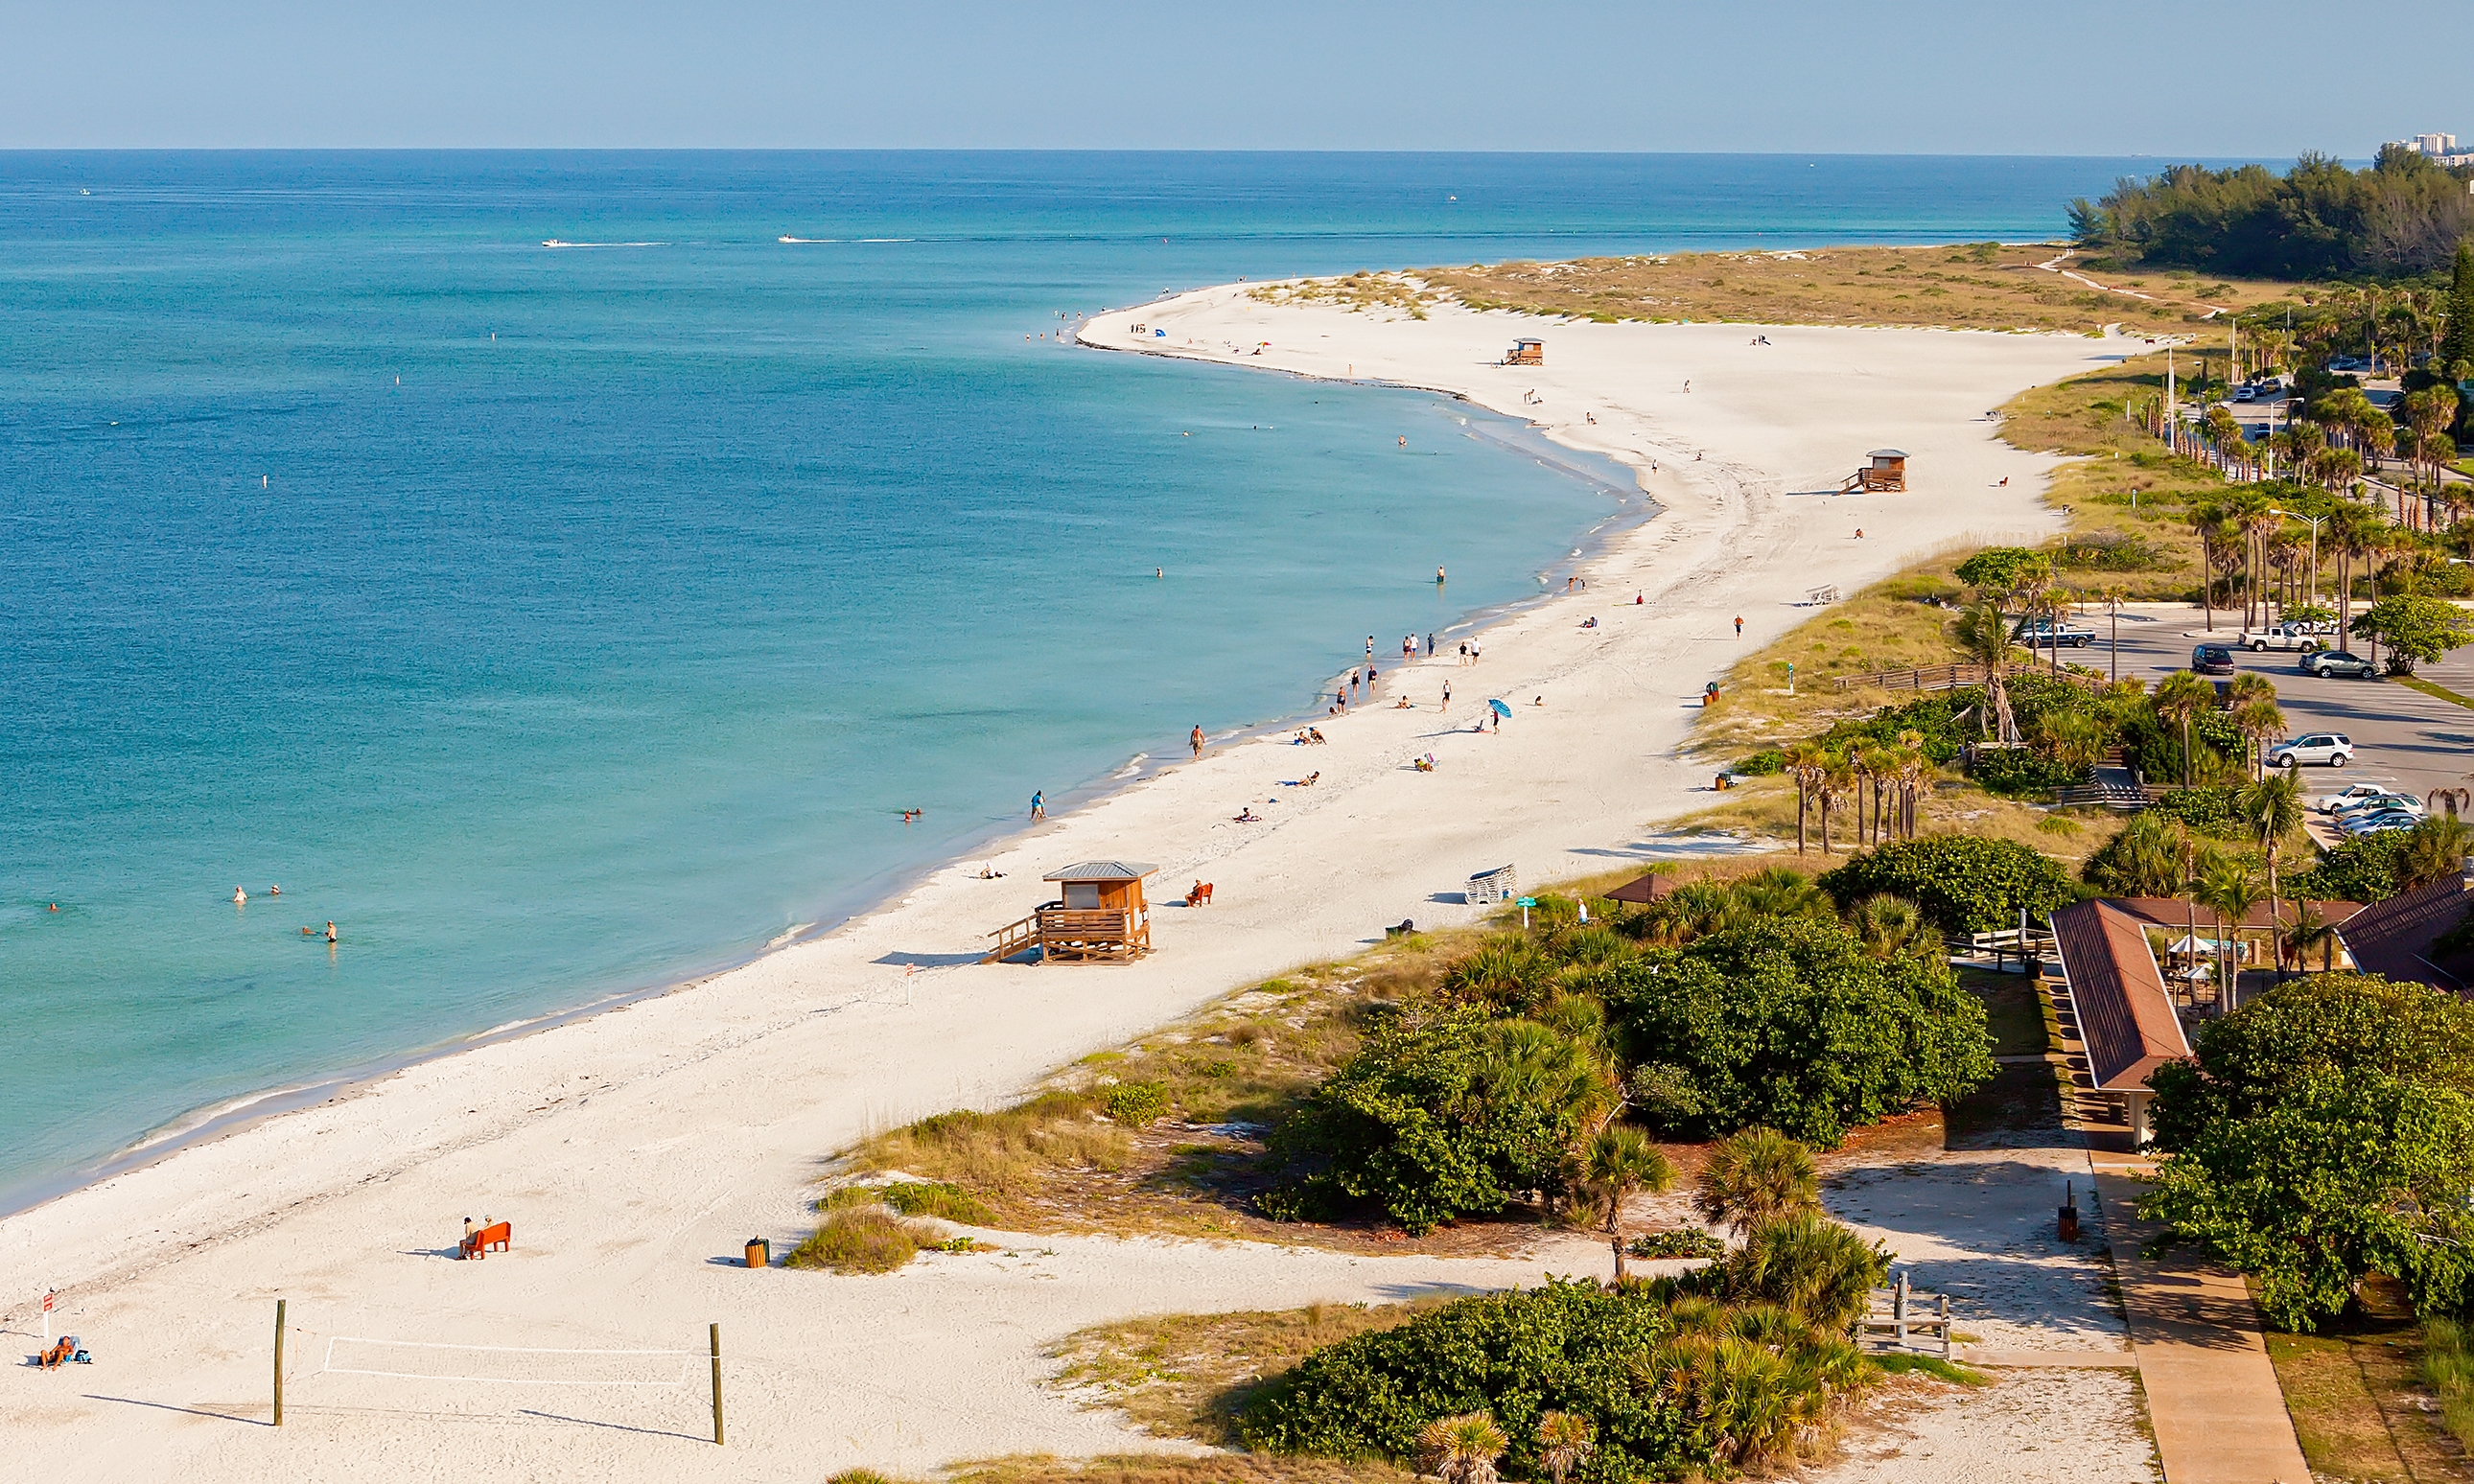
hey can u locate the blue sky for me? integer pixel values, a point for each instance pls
(2103, 77)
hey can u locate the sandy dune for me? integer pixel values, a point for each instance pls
(634, 1149)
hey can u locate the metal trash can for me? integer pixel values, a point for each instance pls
(759, 1253)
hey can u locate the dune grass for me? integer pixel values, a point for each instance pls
(861, 1240)
(1152, 1469)
(1187, 1376)
(1970, 286)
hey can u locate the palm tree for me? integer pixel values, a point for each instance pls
(2352, 532)
(1837, 779)
(1891, 926)
(1983, 634)
(2273, 808)
(2225, 885)
(2205, 520)
(1617, 1162)
(2143, 860)
(2113, 595)
(1564, 1442)
(1462, 1449)
(2180, 697)
(2307, 931)
(2433, 849)
(1803, 763)
(1754, 1176)
(2257, 721)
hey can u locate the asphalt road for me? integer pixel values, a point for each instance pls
(2409, 741)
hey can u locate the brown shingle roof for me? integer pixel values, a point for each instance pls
(2176, 913)
(1648, 888)
(2394, 938)
(2125, 1015)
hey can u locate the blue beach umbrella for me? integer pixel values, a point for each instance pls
(1500, 708)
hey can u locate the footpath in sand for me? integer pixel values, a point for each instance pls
(634, 1151)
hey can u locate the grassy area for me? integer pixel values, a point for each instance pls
(2438, 692)
(1168, 1134)
(1152, 1469)
(2359, 1406)
(1978, 286)
(1187, 1376)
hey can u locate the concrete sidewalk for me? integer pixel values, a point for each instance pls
(2212, 1395)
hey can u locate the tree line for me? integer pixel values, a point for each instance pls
(2403, 217)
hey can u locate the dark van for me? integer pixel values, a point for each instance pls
(2212, 660)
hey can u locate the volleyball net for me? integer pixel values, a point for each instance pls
(508, 1365)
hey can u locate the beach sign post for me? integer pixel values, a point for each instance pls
(1527, 902)
(47, 1317)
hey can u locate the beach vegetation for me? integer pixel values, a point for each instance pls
(862, 1239)
(1739, 1366)
(1961, 884)
(1140, 1104)
(2404, 216)
(2324, 1133)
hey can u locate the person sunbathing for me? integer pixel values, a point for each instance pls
(1247, 816)
(53, 1359)
(1308, 781)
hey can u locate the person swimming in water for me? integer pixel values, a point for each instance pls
(240, 899)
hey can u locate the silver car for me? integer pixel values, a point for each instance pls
(2331, 747)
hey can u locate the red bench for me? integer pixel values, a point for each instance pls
(500, 1236)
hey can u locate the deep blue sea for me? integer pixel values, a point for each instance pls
(565, 621)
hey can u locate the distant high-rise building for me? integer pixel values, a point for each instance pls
(2439, 147)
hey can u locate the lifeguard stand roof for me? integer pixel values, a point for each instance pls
(1102, 871)
(1888, 453)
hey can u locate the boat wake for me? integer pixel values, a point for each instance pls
(554, 242)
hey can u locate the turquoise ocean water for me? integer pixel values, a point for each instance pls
(567, 621)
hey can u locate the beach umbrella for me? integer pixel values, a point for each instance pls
(1500, 708)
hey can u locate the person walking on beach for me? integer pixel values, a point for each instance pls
(1430, 645)
(1739, 626)
(1038, 804)
(1447, 695)
(1195, 741)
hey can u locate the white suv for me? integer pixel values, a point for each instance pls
(2331, 747)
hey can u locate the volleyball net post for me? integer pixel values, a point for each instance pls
(716, 1385)
(279, 1362)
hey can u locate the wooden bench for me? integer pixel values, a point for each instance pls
(500, 1236)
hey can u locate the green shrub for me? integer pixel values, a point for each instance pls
(1676, 1242)
(1138, 1104)
(948, 1203)
(1762, 764)
(1568, 1347)
(2115, 551)
(1790, 1022)
(1441, 1117)
(2017, 772)
(2362, 869)
(1805, 1263)
(1963, 885)
(2209, 811)
(857, 1241)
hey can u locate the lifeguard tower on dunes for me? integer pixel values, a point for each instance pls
(1099, 917)
(1525, 352)
(1888, 471)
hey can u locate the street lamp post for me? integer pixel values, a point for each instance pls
(2314, 547)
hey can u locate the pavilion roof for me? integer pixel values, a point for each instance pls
(2126, 1014)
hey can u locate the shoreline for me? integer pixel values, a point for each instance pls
(638, 1144)
(214, 1121)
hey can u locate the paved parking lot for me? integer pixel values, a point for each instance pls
(2408, 740)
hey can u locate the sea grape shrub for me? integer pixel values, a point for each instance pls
(1138, 1104)
(2323, 1133)
(2016, 772)
(1567, 1347)
(1441, 1115)
(1760, 764)
(2262, 1055)
(2355, 1173)
(2209, 811)
(2362, 869)
(1790, 1024)
(1964, 885)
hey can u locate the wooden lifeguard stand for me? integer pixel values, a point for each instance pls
(1099, 916)
(1888, 471)
(1526, 352)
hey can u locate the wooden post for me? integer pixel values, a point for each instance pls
(1945, 1327)
(716, 1385)
(279, 1362)
(1898, 1308)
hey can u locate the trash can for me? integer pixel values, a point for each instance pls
(759, 1253)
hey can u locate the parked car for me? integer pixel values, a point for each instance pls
(2386, 803)
(2328, 663)
(2376, 823)
(2245, 393)
(2212, 660)
(2280, 636)
(2353, 796)
(2333, 748)
(2045, 633)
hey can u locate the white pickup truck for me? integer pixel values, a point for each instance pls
(2293, 636)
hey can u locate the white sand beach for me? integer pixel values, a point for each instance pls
(634, 1151)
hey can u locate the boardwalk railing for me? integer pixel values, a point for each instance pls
(1902, 1320)
(1951, 677)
